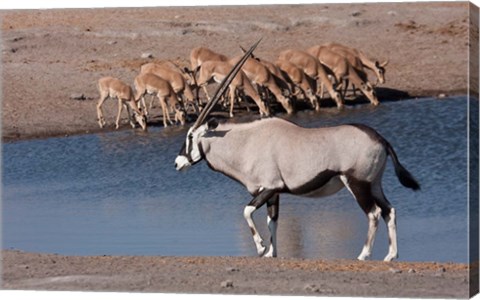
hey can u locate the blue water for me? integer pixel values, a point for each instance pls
(118, 193)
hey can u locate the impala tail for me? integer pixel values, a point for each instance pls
(404, 176)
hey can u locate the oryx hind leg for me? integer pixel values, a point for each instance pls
(388, 215)
(272, 219)
(363, 193)
(256, 203)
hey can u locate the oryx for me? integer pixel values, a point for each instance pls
(273, 156)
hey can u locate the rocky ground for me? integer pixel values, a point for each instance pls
(234, 275)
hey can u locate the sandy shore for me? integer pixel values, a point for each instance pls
(233, 275)
(50, 57)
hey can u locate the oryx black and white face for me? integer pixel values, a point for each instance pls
(192, 151)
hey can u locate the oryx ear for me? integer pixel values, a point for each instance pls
(212, 124)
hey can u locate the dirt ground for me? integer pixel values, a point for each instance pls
(51, 57)
(233, 275)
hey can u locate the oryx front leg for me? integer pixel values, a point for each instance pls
(256, 203)
(272, 219)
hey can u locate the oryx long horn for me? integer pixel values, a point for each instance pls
(223, 87)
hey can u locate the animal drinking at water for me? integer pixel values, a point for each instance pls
(110, 87)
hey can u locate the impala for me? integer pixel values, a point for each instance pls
(344, 71)
(218, 70)
(313, 68)
(110, 87)
(152, 84)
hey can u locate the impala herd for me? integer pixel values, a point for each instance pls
(295, 75)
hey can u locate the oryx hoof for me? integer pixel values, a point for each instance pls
(363, 256)
(261, 251)
(270, 253)
(390, 257)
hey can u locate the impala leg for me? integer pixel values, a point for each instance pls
(101, 119)
(144, 105)
(130, 120)
(120, 107)
(243, 99)
(266, 92)
(232, 100)
(204, 87)
(362, 191)
(197, 93)
(346, 81)
(338, 87)
(296, 90)
(321, 90)
(152, 99)
(313, 99)
(164, 111)
(256, 203)
(272, 219)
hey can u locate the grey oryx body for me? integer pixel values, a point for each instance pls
(274, 156)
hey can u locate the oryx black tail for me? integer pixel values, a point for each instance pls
(405, 178)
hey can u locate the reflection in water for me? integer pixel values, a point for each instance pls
(118, 193)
